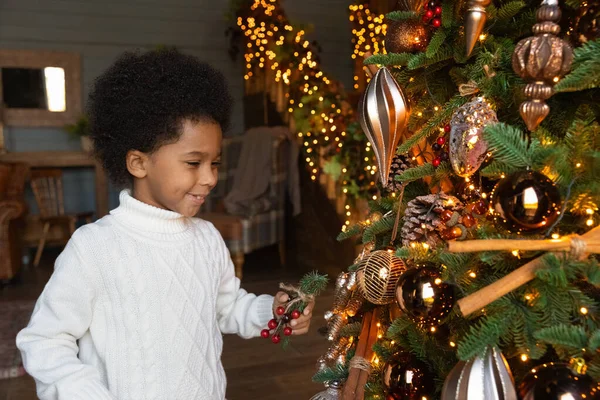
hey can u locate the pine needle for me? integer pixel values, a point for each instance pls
(508, 145)
(570, 336)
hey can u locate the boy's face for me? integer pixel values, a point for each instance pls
(180, 175)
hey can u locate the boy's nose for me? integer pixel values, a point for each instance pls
(208, 178)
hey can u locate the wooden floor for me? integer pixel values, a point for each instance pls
(256, 368)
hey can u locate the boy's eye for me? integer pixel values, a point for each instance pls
(192, 163)
(216, 163)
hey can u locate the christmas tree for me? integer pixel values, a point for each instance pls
(478, 277)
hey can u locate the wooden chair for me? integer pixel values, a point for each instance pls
(47, 187)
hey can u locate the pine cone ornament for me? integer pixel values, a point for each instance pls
(422, 218)
(400, 163)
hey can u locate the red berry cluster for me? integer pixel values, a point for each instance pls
(433, 13)
(440, 148)
(279, 325)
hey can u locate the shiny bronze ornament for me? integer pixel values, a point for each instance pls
(526, 202)
(383, 114)
(406, 377)
(541, 60)
(475, 21)
(557, 381)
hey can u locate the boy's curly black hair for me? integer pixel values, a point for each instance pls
(142, 100)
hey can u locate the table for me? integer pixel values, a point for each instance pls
(66, 159)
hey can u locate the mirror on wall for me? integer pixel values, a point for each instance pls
(39, 88)
(36, 88)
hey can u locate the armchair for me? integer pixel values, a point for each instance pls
(244, 234)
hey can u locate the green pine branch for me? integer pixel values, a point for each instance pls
(589, 270)
(443, 170)
(394, 59)
(398, 327)
(338, 373)
(412, 174)
(486, 332)
(349, 233)
(384, 350)
(435, 43)
(433, 124)
(401, 15)
(447, 14)
(313, 283)
(508, 145)
(594, 341)
(377, 228)
(573, 337)
(551, 304)
(552, 272)
(509, 10)
(421, 60)
(586, 69)
(352, 329)
(497, 169)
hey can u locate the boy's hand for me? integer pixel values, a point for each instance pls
(300, 325)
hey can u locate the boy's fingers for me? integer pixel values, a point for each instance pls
(283, 297)
(309, 307)
(301, 331)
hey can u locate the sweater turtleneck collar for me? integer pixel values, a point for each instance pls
(149, 220)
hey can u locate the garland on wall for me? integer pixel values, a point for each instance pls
(281, 61)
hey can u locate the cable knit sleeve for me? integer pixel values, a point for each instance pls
(238, 311)
(61, 316)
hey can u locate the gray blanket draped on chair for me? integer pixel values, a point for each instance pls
(250, 192)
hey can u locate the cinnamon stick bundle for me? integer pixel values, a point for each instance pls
(581, 246)
(364, 375)
(357, 378)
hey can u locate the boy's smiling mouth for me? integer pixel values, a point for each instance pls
(197, 198)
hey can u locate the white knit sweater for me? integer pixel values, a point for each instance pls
(136, 309)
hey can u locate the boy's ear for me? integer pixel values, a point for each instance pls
(136, 163)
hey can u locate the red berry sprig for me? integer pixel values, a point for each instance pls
(278, 326)
(433, 13)
(439, 147)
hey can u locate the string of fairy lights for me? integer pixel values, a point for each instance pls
(314, 101)
(267, 34)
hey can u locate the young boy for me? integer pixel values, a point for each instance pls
(139, 300)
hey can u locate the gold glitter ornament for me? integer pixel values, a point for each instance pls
(378, 274)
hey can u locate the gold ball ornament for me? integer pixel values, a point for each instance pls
(541, 60)
(406, 36)
(378, 274)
